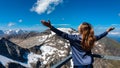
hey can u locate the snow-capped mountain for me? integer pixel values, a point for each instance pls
(46, 49)
(9, 32)
(18, 31)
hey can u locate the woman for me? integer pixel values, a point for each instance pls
(81, 44)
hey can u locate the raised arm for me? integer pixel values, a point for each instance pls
(105, 33)
(58, 32)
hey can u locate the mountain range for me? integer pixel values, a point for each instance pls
(9, 32)
(20, 31)
(43, 50)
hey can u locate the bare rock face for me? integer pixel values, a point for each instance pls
(46, 49)
(13, 51)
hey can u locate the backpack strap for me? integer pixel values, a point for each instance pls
(87, 53)
(90, 54)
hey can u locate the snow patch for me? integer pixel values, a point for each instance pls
(66, 45)
(61, 42)
(67, 30)
(71, 63)
(32, 58)
(96, 50)
(99, 45)
(47, 49)
(52, 33)
(43, 38)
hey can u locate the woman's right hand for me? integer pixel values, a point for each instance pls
(110, 29)
(45, 23)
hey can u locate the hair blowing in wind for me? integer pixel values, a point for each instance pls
(88, 38)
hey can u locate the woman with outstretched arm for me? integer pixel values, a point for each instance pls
(81, 44)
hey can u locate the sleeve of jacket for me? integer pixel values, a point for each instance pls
(101, 35)
(63, 34)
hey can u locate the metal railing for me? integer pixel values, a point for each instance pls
(61, 63)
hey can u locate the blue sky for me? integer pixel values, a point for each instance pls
(26, 14)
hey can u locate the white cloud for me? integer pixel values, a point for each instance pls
(11, 24)
(20, 20)
(48, 6)
(116, 33)
(115, 25)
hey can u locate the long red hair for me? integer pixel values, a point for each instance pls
(88, 38)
